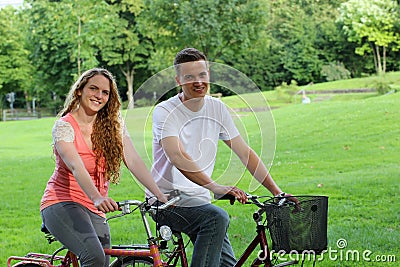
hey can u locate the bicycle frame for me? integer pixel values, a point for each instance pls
(45, 260)
(151, 250)
(71, 260)
(264, 257)
(261, 240)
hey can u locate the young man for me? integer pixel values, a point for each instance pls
(186, 130)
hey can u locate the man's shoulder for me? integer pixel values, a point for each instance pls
(166, 106)
(213, 101)
(172, 101)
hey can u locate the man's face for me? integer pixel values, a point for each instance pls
(193, 77)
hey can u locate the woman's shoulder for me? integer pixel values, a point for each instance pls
(63, 130)
(66, 118)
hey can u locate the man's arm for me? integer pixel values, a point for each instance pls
(187, 166)
(253, 163)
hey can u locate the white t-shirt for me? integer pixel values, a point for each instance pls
(199, 133)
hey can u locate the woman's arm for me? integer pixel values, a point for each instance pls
(71, 158)
(136, 166)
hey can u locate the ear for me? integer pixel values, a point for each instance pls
(178, 81)
(79, 92)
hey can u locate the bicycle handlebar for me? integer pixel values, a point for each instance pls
(254, 199)
(125, 206)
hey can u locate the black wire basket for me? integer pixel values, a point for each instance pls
(301, 228)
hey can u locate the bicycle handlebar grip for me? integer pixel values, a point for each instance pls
(224, 197)
(170, 202)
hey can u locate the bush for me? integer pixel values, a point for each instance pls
(335, 71)
(381, 85)
(144, 102)
(286, 91)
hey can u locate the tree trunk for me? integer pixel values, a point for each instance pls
(378, 59)
(384, 59)
(129, 75)
(79, 46)
(373, 48)
(28, 103)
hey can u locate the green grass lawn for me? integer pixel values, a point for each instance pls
(350, 148)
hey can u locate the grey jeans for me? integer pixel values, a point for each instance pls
(80, 230)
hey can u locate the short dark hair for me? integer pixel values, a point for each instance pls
(188, 55)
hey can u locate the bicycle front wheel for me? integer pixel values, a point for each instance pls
(29, 265)
(132, 261)
(288, 263)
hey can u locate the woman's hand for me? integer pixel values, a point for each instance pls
(162, 198)
(105, 204)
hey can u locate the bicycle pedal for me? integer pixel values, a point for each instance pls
(163, 244)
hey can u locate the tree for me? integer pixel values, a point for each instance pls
(15, 68)
(294, 33)
(371, 24)
(67, 37)
(221, 29)
(130, 48)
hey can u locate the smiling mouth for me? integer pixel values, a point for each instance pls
(96, 102)
(200, 90)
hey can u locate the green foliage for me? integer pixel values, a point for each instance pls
(286, 92)
(67, 38)
(322, 149)
(144, 102)
(128, 49)
(381, 85)
(335, 71)
(15, 67)
(218, 28)
(371, 24)
(42, 50)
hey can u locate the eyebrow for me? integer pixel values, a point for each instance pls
(190, 75)
(95, 86)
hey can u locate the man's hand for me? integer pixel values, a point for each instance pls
(236, 193)
(293, 199)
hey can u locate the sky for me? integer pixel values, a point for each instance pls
(4, 3)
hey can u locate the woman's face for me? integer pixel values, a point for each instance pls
(95, 94)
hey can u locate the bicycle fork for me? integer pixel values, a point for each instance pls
(262, 256)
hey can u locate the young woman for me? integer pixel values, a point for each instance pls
(90, 141)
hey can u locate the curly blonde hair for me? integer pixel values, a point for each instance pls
(107, 128)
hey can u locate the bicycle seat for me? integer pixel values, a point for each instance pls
(50, 238)
(44, 229)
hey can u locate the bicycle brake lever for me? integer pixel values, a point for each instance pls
(113, 217)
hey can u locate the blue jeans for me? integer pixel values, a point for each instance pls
(207, 226)
(80, 230)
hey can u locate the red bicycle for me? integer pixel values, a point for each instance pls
(293, 228)
(148, 254)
